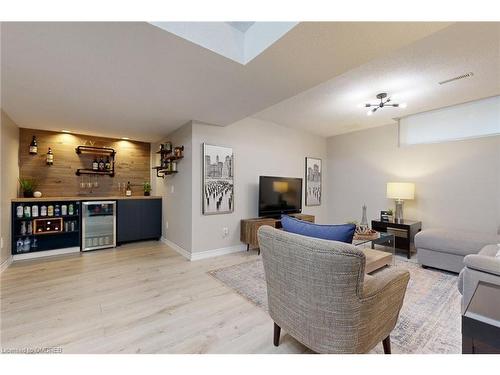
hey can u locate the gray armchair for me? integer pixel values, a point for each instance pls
(484, 266)
(318, 293)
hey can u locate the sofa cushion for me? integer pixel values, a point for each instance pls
(490, 250)
(454, 242)
(341, 233)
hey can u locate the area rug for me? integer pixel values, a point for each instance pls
(429, 321)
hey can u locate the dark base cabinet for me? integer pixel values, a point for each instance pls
(41, 232)
(138, 219)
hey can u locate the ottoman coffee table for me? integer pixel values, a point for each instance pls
(379, 251)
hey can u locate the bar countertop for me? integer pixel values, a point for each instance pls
(84, 198)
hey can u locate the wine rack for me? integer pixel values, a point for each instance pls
(97, 151)
(168, 160)
(41, 233)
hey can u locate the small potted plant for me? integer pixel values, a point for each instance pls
(147, 189)
(28, 186)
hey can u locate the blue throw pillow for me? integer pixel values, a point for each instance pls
(342, 232)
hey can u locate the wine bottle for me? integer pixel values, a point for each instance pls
(95, 165)
(19, 246)
(50, 210)
(101, 164)
(26, 245)
(128, 191)
(107, 166)
(33, 146)
(57, 210)
(34, 211)
(50, 157)
(43, 211)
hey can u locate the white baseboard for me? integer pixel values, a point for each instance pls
(6, 263)
(203, 254)
(186, 254)
(217, 252)
(48, 253)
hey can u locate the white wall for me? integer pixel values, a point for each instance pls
(260, 148)
(176, 190)
(457, 183)
(9, 173)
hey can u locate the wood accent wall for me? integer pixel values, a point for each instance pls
(132, 163)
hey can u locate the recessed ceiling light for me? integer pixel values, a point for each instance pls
(403, 105)
(66, 131)
(125, 138)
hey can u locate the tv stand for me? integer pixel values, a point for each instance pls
(249, 228)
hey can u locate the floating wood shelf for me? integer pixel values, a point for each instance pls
(100, 151)
(168, 156)
(96, 150)
(80, 171)
(173, 158)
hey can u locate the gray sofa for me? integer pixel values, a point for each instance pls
(445, 249)
(484, 266)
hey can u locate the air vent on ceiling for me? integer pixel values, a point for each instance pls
(466, 75)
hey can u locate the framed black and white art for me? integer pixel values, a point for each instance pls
(313, 181)
(218, 180)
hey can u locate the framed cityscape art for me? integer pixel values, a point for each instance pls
(313, 181)
(218, 180)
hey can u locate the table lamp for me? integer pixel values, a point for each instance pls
(400, 191)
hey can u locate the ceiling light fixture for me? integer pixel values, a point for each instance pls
(66, 131)
(125, 138)
(383, 103)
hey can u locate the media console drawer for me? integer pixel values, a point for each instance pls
(249, 227)
(403, 233)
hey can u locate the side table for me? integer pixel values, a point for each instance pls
(404, 232)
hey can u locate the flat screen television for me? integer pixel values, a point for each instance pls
(279, 195)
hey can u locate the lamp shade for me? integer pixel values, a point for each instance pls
(400, 190)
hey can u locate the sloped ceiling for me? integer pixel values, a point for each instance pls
(136, 80)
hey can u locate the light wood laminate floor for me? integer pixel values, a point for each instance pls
(138, 298)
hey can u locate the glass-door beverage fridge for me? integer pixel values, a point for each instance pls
(98, 225)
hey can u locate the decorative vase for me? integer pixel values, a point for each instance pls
(37, 194)
(147, 193)
(364, 220)
(27, 194)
